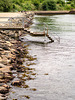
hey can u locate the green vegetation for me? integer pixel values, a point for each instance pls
(28, 5)
(49, 5)
(6, 5)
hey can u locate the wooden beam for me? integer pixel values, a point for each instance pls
(11, 28)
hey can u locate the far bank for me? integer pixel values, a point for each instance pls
(53, 12)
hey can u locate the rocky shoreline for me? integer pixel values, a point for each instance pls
(12, 55)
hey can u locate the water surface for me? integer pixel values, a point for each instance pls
(56, 59)
(55, 65)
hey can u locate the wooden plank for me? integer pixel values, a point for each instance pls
(11, 28)
(12, 17)
(38, 34)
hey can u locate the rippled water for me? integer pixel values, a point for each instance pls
(55, 68)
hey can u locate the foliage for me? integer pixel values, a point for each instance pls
(72, 4)
(20, 5)
(36, 3)
(61, 2)
(67, 7)
(49, 5)
(27, 5)
(5, 5)
(17, 7)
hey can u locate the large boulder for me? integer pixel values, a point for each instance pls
(6, 69)
(2, 97)
(3, 90)
(2, 65)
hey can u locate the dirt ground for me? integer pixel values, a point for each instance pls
(10, 14)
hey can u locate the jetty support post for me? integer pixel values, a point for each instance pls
(23, 22)
(49, 36)
(47, 30)
(44, 31)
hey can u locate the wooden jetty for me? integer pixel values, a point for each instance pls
(34, 33)
(39, 34)
(49, 38)
(10, 26)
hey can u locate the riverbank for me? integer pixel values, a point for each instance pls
(53, 12)
(12, 55)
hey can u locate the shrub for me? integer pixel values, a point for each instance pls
(67, 7)
(72, 4)
(59, 7)
(36, 3)
(27, 5)
(61, 2)
(17, 7)
(49, 5)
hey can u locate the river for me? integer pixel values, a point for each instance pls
(55, 64)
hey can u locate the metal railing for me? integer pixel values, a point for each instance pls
(54, 35)
(13, 21)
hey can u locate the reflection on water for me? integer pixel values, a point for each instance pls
(55, 68)
(55, 23)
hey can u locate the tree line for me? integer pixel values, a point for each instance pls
(31, 5)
